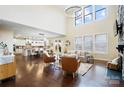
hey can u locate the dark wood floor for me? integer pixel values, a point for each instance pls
(31, 72)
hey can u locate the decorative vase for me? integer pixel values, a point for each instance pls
(5, 51)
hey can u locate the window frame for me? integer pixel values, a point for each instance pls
(78, 17)
(96, 11)
(91, 13)
(101, 52)
(82, 17)
(84, 43)
(80, 42)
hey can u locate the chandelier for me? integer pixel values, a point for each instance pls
(70, 11)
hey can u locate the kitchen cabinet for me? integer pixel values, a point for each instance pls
(7, 69)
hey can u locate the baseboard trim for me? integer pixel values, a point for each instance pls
(101, 59)
(98, 60)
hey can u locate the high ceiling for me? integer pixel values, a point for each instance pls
(23, 31)
(34, 20)
(61, 7)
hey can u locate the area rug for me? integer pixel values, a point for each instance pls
(84, 68)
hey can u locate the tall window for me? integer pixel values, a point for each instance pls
(88, 43)
(101, 43)
(78, 43)
(100, 11)
(78, 17)
(88, 14)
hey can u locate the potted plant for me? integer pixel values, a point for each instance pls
(3, 48)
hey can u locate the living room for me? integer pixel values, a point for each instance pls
(85, 36)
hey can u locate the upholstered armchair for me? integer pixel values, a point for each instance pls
(70, 64)
(48, 59)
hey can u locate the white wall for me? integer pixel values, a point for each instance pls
(43, 17)
(6, 36)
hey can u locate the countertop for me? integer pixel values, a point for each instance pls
(5, 59)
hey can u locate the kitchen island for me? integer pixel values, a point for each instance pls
(7, 67)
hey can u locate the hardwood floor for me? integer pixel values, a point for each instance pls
(31, 72)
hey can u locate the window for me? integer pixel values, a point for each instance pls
(88, 14)
(100, 11)
(101, 43)
(78, 43)
(78, 18)
(88, 43)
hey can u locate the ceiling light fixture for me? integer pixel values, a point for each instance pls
(41, 34)
(70, 11)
